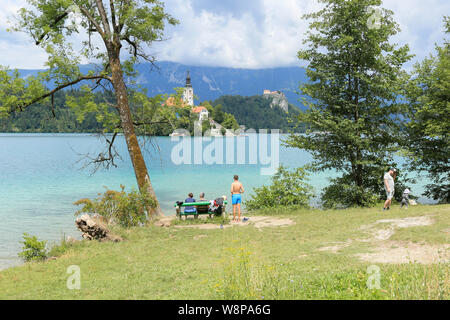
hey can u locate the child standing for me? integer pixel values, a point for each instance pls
(405, 198)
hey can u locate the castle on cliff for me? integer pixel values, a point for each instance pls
(278, 99)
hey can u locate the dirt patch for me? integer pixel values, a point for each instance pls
(262, 222)
(257, 222)
(402, 223)
(338, 246)
(383, 234)
(164, 221)
(397, 252)
(204, 226)
(408, 222)
(400, 252)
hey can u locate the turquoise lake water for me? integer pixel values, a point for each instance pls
(41, 175)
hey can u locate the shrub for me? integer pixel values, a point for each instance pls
(288, 189)
(33, 249)
(119, 207)
(343, 193)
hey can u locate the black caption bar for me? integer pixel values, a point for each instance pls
(228, 309)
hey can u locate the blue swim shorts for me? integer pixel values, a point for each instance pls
(236, 198)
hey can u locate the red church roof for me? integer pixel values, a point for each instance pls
(198, 109)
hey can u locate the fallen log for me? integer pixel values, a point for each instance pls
(93, 228)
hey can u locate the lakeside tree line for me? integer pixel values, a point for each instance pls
(229, 111)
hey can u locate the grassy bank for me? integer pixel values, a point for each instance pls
(316, 255)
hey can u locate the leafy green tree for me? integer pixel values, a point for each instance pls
(110, 27)
(205, 126)
(288, 189)
(208, 106)
(218, 114)
(355, 77)
(428, 142)
(230, 122)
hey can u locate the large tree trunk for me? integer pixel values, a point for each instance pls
(140, 169)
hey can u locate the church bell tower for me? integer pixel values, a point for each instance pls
(188, 95)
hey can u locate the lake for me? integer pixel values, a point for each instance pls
(41, 175)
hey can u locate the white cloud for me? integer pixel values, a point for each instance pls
(421, 23)
(211, 38)
(16, 49)
(242, 34)
(241, 41)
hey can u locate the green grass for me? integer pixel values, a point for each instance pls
(204, 219)
(242, 262)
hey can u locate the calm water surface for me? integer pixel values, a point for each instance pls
(41, 175)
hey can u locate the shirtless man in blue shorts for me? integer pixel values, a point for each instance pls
(236, 190)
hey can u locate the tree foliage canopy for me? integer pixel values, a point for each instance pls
(355, 77)
(288, 189)
(428, 128)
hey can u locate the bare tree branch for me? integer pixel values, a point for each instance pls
(105, 159)
(113, 17)
(92, 20)
(57, 20)
(102, 12)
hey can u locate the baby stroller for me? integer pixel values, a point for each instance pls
(218, 206)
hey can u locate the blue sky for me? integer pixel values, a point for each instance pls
(242, 33)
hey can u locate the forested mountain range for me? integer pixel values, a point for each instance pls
(253, 112)
(239, 91)
(210, 83)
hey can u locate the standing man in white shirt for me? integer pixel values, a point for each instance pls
(389, 187)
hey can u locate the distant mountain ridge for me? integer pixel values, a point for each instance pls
(210, 83)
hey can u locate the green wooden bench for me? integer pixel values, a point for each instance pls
(180, 213)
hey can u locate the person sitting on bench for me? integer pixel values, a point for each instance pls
(190, 209)
(202, 209)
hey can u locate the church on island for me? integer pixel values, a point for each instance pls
(203, 114)
(188, 100)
